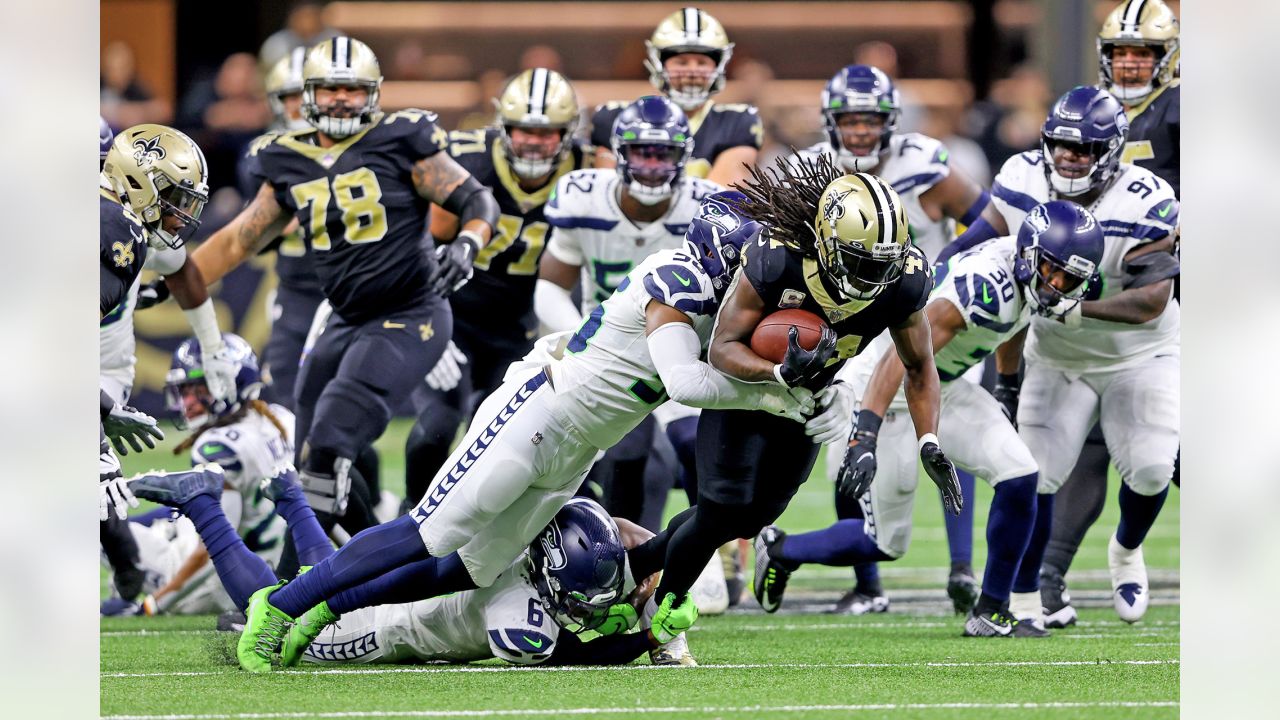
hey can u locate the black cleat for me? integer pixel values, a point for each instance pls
(772, 574)
(963, 590)
(1058, 612)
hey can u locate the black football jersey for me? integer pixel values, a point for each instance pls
(362, 220)
(716, 128)
(294, 265)
(1153, 135)
(786, 279)
(122, 248)
(499, 296)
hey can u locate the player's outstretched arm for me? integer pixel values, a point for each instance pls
(942, 321)
(551, 295)
(914, 344)
(677, 355)
(261, 221)
(1142, 300)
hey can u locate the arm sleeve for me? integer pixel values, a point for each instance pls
(166, 261)
(554, 307)
(606, 650)
(676, 353)
(564, 246)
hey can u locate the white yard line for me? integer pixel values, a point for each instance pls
(412, 669)
(556, 712)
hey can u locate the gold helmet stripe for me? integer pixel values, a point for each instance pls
(692, 23)
(538, 84)
(884, 208)
(1133, 15)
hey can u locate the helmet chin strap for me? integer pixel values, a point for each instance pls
(689, 99)
(858, 163)
(646, 195)
(1131, 95)
(1070, 187)
(531, 169)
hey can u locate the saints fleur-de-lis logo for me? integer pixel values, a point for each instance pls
(122, 253)
(147, 151)
(833, 210)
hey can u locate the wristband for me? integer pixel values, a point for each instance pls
(869, 421)
(928, 438)
(777, 374)
(204, 323)
(473, 237)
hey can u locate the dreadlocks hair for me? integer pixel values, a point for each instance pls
(785, 198)
(257, 405)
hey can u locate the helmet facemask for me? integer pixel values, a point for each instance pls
(572, 610)
(178, 385)
(528, 161)
(339, 120)
(1105, 158)
(1127, 94)
(858, 273)
(651, 170)
(846, 158)
(1035, 273)
(691, 96)
(180, 202)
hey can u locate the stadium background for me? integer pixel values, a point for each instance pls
(978, 74)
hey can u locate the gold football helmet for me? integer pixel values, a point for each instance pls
(688, 30)
(285, 79)
(158, 173)
(1149, 23)
(537, 98)
(340, 62)
(862, 236)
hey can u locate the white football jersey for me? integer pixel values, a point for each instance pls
(606, 365)
(589, 229)
(504, 620)
(913, 164)
(1136, 208)
(981, 286)
(248, 451)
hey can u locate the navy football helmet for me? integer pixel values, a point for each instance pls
(105, 136)
(860, 89)
(187, 369)
(1062, 239)
(716, 236)
(577, 564)
(652, 142)
(1093, 122)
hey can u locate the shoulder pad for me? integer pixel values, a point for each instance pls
(743, 108)
(413, 115)
(682, 287)
(521, 646)
(261, 142)
(611, 106)
(571, 202)
(214, 447)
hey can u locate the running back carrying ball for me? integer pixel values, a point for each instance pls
(769, 340)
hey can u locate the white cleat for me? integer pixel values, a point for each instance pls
(675, 652)
(1130, 591)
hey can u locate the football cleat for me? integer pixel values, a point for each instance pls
(304, 630)
(277, 486)
(264, 631)
(710, 591)
(988, 624)
(1029, 628)
(1056, 601)
(1128, 581)
(118, 607)
(231, 621)
(772, 574)
(675, 652)
(856, 603)
(963, 590)
(175, 488)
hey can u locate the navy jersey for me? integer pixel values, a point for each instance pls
(122, 248)
(1153, 135)
(499, 296)
(716, 128)
(294, 265)
(361, 217)
(786, 279)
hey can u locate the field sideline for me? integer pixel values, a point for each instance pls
(909, 663)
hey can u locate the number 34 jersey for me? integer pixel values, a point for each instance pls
(590, 230)
(360, 214)
(1136, 208)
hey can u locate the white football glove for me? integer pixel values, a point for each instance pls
(127, 424)
(220, 375)
(834, 420)
(447, 372)
(791, 403)
(113, 489)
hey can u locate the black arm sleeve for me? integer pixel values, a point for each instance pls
(473, 201)
(606, 650)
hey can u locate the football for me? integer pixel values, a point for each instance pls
(769, 340)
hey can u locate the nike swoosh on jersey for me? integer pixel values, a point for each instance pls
(986, 295)
(1165, 210)
(681, 279)
(536, 644)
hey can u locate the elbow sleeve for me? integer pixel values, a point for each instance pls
(554, 307)
(473, 201)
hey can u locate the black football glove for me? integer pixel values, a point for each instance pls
(858, 468)
(454, 264)
(943, 474)
(799, 366)
(1006, 393)
(152, 293)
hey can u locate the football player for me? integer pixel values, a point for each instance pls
(860, 111)
(1138, 62)
(531, 443)
(360, 185)
(981, 299)
(1110, 356)
(687, 56)
(248, 440)
(838, 246)
(605, 222)
(520, 159)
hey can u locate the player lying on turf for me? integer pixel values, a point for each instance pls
(981, 299)
(530, 445)
(571, 577)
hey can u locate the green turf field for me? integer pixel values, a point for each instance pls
(800, 663)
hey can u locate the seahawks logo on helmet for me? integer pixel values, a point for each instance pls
(719, 215)
(1038, 219)
(553, 547)
(147, 151)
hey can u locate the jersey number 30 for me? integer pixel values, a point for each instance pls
(364, 219)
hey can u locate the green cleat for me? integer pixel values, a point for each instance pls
(304, 630)
(264, 630)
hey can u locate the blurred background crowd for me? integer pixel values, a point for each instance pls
(978, 74)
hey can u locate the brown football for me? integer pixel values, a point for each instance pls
(769, 340)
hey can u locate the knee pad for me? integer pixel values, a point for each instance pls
(348, 416)
(1151, 480)
(325, 479)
